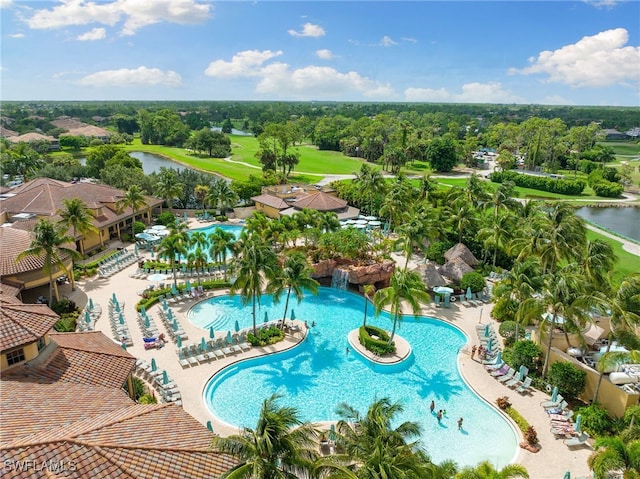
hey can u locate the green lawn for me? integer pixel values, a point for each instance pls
(623, 147)
(627, 262)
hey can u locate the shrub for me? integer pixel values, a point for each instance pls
(543, 183)
(377, 346)
(437, 249)
(607, 189)
(508, 332)
(473, 280)
(139, 388)
(632, 413)
(531, 436)
(64, 305)
(526, 353)
(166, 218)
(67, 322)
(503, 402)
(504, 309)
(139, 227)
(147, 399)
(266, 336)
(596, 420)
(570, 379)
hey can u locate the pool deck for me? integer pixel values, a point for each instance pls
(553, 460)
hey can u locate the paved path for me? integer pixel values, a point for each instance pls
(631, 247)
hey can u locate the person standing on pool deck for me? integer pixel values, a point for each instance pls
(473, 351)
(432, 407)
(460, 424)
(439, 416)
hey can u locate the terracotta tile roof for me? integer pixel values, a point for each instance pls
(23, 323)
(272, 201)
(32, 136)
(15, 240)
(8, 290)
(44, 197)
(320, 201)
(6, 132)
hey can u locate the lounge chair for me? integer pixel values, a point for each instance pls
(557, 409)
(183, 360)
(495, 367)
(513, 382)
(577, 441)
(501, 372)
(525, 387)
(550, 403)
(506, 377)
(566, 417)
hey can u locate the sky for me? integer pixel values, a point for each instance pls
(583, 52)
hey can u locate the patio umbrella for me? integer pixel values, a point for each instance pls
(209, 426)
(236, 326)
(179, 341)
(554, 394)
(489, 345)
(184, 216)
(229, 338)
(486, 330)
(87, 316)
(211, 333)
(135, 249)
(170, 313)
(175, 324)
(143, 310)
(154, 366)
(174, 291)
(147, 322)
(121, 318)
(293, 315)
(469, 295)
(578, 424)
(113, 297)
(522, 372)
(567, 475)
(116, 306)
(266, 317)
(165, 377)
(203, 344)
(498, 357)
(123, 345)
(90, 304)
(165, 305)
(188, 285)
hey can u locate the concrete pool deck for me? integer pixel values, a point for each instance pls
(553, 460)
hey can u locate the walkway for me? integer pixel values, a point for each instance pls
(630, 246)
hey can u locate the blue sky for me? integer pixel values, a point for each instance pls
(544, 52)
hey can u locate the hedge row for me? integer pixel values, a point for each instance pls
(543, 183)
(378, 346)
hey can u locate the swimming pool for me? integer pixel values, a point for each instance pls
(319, 374)
(235, 229)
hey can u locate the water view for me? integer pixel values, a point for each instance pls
(624, 221)
(152, 163)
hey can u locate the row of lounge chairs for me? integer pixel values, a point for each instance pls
(94, 315)
(119, 330)
(147, 331)
(117, 262)
(168, 391)
(171, 323)
(195, 354)
(562, 425)
(212, 272)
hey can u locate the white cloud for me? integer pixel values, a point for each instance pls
(597, 61)
(94, 34)
(5, 3)
(602, 3)
(134, 13)
(244, 63)
(387, 41)
(141, 76)
(16, 35)
(475, 92)
(308, 30)
(310, 82)
(324, 54)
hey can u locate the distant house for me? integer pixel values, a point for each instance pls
(78, 128)
(33, 136)
(612, 134)
(633, 133)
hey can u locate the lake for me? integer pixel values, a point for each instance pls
(624, 221)
(152, 163)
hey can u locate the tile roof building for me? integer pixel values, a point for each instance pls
(66, 413)
(283, 200)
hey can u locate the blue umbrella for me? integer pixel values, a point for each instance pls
(147, 322)
(143, 310)
(469, 295)
(185, 217)
(121, 318)
(211, 333)
(203, 344)
(554, 394)
(498, 357)
(188, 285)
(87, 316)
(486, 330)
(489, 345)
(123, 345)
(135, 249)
(154, 366)
(293, 314)
(175, 324)
(116, 306)
(229, 338)
(165, 305)
(522, 372)
(236, 326)
(170, 314)
(115, 300)
(209, 426)
(179, 341)
(90, 304)
(165, 377)
(578, 424)
(266, 317)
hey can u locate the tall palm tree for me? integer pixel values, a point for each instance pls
(622, 305)
(502, 199)
(168, 187)
(367, 290)
(220, 242)
(615, 454)
(254, 268)
(221, 196)
(201, 192)
(49, 240)
(294, 277)
(404, 286)
(496, 234)
(377, 449)
(172, 246)
(198, 258)
(77, 216)
(135, 200)
(486, 470)
(371, 185)
(280, 447)
(462, 217)
(422, 225)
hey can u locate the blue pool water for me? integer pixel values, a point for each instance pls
(235, 229)
(319, 374)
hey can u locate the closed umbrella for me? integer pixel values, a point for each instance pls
(211, 333)
(522, 372)
(179, 341)
(229, 338)
(266, 317)
(209, 426)
(135, 249)
(578, 425)
(87, 316)
(113, 297)
(567, 475)
(487, 329)
(489, 345)
(116, 306)
(154, 366)
(203, 344)
(121, 318)
(90, 304)
(236, 326)
(143, 310)
(170, 314)
(175, 324)
(498, 357)
(293, 315)
(469, 295)
(165, 305)
(123, 345)
(165, 377)
(147, 322)
(554, 394)
(188, 285)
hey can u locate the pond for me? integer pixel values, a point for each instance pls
(152, 163)
(624, 221)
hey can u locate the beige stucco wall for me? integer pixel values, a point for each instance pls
(269, 211)
(30, 352)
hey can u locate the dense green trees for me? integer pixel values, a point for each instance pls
(214, 143)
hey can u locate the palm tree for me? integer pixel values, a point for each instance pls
(221, 196)
(49, 240)
(462, 217)
(254, 267)
(496, 234)
(502, 199)
(367, 290)
(77, 216)
(294, 277)
(371, 185)
(422, 225)
(201, 192)
(377, 449)
(403, 286)
(168, 187)
(133, 199)
(623, 308)
(486, 470)
(220, 241)
(172, 246)
(280, 447)
(198, 259)
(615, 454)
